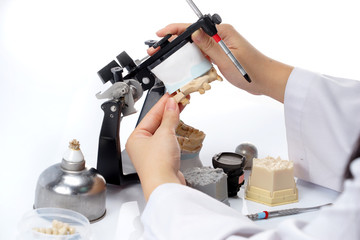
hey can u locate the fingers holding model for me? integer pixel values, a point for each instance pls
(269, 77)
(153, 146)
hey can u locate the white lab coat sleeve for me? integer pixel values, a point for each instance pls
(342, 220)
(322, 117)
(175, 212)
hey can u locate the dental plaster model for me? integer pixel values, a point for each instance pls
(189, 138)
(272, 182)
(190, 142)
(205, 179)
(208, 180)
(200, 84)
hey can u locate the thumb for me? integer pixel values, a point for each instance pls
(170, 118)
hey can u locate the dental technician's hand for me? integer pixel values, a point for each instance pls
(153, 147)
(268, 76)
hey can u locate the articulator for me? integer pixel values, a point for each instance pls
(177, 67)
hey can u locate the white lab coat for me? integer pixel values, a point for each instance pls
(322, 116)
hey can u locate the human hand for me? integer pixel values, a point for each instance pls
(153, 147)
(269, 77)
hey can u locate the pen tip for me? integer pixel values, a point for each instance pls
(246, 76)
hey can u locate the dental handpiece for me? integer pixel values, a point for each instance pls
(218, 39)
(285, 212)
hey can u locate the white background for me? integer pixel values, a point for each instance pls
(50, 51)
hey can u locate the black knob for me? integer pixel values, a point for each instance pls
(126, 61)
(106, 74)
(216, 18)
(150, 43)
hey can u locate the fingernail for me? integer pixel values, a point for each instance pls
(171, 104)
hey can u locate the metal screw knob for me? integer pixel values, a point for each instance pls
(216, 18)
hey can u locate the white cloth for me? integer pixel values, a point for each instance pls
(316, 107)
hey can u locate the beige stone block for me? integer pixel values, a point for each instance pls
(272, 182)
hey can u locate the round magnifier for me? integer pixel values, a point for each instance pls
(233, 165)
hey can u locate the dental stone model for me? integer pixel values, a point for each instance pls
(189, 138)
(200, 84)
(190, 142)
(205, 179)
(208, 180)
(272, 182)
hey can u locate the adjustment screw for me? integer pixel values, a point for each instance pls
(216, 18)
(145, 80)
(150, 43)
(113, 108)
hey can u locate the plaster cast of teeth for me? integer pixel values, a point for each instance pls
(190, 142)
(189, 138)
(272, 182)
(200, 84)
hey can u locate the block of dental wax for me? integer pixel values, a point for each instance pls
(208, 180)
(272, 182)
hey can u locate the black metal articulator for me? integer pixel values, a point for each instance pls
(126, 90)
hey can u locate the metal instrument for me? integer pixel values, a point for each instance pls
(285, 212)
(218, 39)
